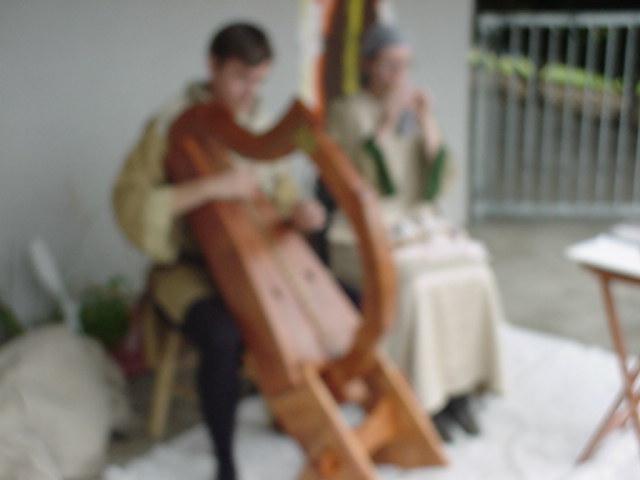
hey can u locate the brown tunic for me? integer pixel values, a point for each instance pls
(142, 202)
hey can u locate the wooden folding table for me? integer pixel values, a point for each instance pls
(613, 260)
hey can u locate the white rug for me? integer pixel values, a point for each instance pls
(558, 393)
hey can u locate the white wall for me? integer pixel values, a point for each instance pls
(79, 77)
(440, 33)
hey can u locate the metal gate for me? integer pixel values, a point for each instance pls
(554, 115)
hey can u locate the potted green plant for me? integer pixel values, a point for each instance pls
(104, 312)
(9, 324)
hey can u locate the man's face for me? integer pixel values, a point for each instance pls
(237, 83)
(389, 70)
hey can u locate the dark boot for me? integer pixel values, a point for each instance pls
(226, 472)
(459, 409)
(276, 426)
(443, 421)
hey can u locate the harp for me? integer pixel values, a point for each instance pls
(309, 347)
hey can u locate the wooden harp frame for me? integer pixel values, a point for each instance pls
(240, 240)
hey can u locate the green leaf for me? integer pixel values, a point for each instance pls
(8, 322)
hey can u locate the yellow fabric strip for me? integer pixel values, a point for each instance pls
(351, 52)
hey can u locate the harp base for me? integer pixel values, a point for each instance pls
(395, 430)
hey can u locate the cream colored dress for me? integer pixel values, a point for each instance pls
(445, 337)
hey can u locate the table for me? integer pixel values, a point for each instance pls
(613, 260)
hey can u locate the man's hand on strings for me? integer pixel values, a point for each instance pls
(234, 184)
(309, 216)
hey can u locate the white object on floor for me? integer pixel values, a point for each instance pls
(557, 393)
(46, 269)
(60, 398)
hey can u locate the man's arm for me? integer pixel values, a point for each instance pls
(236, 184)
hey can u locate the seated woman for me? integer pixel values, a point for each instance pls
(445, 337)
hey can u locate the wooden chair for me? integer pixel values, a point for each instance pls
(166, 354)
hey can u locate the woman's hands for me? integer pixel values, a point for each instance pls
(421, 104)
(406, 98)
(393, 104)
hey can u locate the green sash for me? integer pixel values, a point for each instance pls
(385, 182)
(386, 186)
(435, 175)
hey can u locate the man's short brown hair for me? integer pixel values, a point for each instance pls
(244, 41)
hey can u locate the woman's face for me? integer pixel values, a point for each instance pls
(389, 69)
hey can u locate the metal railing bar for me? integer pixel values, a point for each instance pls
(559, 20)
(585, 153)
(604, 134)
(567, 133)
(549, 121)
(512, 127)
(481, 129)
(622, 157)
(531, 123)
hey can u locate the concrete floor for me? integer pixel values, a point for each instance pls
(184, 415)
(540, 288)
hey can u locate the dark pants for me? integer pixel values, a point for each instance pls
(211, 328)
(213, 331)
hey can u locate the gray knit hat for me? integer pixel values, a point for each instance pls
(379, 36)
